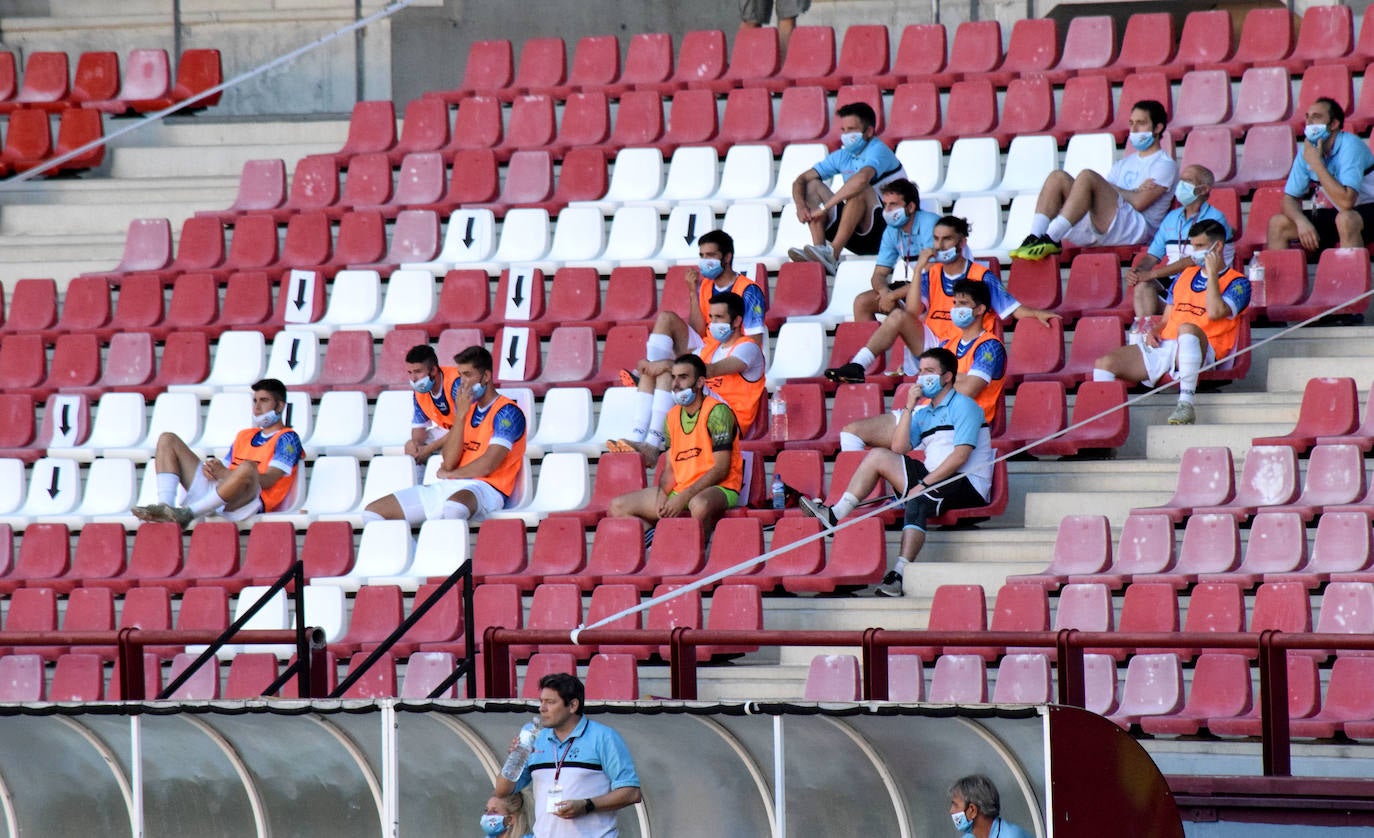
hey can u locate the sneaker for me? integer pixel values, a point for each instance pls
(850, 373)
(822, 253)
(182, 516)
(159, 513)
(1184, 414)
(1034, 251)
(891, 585)
(629, 378)
(818, 510)
(796, 254)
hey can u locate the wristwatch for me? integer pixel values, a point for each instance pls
(591, 807)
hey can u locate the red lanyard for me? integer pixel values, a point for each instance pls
(558, 760)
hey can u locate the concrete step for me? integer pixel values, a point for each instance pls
(85, 220)
(1170, 441)
(1290, 375)
(109, 191)
(196, 161)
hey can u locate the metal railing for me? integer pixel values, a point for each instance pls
(1069, 645)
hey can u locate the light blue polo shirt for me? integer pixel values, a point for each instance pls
(1350, 162)
(957, 420)
(594, 761)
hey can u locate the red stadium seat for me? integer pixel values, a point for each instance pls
(612, 677)
(582, 176)
(1220, 689)
(253, 246)
(1093, 337)
(915, 111)
(1264, 97)
(379, 681)
(748, 117)
(490, 69)
(1027, 109)
(701, 60)
(532, 125)
(1343, 273)
(76, 128)
(972, 111)
(371, 128)
(595, 65)
(691, 119)
(147, 246)
(734, 607)
(1349, 703)
(953, 608)
(1330, 407)
(560, 549)
(1265, 158)
(959, 679)
(1203, 99)
(543, 65)
(314, 186)
(185, 359)
(1346, 608)
(1082, 547)
(1264, 204)
(441, 625)
(1090, 46)
(425, 129)
(1335, 476)
(1206, 477)
(17, 430)
(1211, 545)
(1330, 80)
(1326, 34)
(1094, 398)
(617, 550)
(1146, 45)
(1032, 51)
(250, 673)
(367, 185)
(1037, 412)
(1147, 607)
(86, 306)
(262, 188)
(377, 611)
(810, 60)
(46, 83)
(476, 126)
(77, 677)
(648, 63)
(1154, 687)
(1094, 284)
(754, 58)
(920, 54)
(1206, 39)
(1212, 148)
(198, 70)
(833, 678)
(9, 78)
(638, 120)
(863, 55)
(28, 141)
(44, 554)
(977, 48)
(1269, 477)
(1086, 107)
(1266, 38)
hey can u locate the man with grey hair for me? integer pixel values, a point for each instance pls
(976, 809)
(1150, 278)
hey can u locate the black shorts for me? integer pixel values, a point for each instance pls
(958, 494)
(862, 243)
(1324, 219)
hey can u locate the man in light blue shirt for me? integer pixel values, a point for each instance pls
(908, 230)
(852, 216)
(1169, 253)
(956, 473)
(976, 809)
(1335, 168)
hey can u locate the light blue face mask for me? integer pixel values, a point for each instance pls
(961, 822)
(684, 397)
(944, 257)
(1142, 139)
(424, 385)
(896, 217)
(267, 419)
(852, 142)
(710, 268)
(1315, 133)
(961, 316)
(929, 384)
(719, 331)
(479, 390)
(493, 825)
(1185, 192)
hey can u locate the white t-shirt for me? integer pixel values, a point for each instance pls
(1133, 170)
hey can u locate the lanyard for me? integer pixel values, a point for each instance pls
(558, 759)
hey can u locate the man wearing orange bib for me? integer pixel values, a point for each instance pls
(264, 462)
(435, 390)
(735, 371)
(483, 454)
(705, 470)
(1200, 324)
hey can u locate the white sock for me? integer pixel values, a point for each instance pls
(1058, 228)
(1039, 223)
(455, 511)
(864, 357)
(659, 348)
(644, 408)
(846, 505)
(1189, 362)
(1103, 375)
(212, 502)
(850, 442)
(656, 438)
(662, 403)
(900, 569)
(167, 485)
(369, 516)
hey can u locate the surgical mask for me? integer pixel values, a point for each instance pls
(710, 268)
(493, 825)
(479, 390)
(684, 397)
(930, 385)
(962, 316)
(1200, 257)
(1185, 192)
(1315, 133)
(944, 257)
(1142, 139)
(852, 142)
(267, 419)
(896, 217)
(424, 385)
(720, 331)
(961, 822)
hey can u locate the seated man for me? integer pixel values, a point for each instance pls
(939, 268)
(1336, 168)
(1200, 324)
(1152, 274)
(958, 448)
(910, 231)
(483, 454)
(264, 462)
(982, 360)
(735, 375)
(435, 389)
(705, 470)
(1123, 208)
(673, 336)
(851, 217)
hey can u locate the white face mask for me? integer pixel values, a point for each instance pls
(719, 331)
(852, 142)
(1142, 139)
(896, 216)
(267, 419)
(684, 397)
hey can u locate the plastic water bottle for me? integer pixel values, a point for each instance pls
(516, 759)
(777, 414)
(779, 493)
(1258, 294)
(1136, 335)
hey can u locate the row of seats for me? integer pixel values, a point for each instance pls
(1149, 606)
(145, 85)
(913, 110)
(29, 141)
(1206, 39)
(1155, 698)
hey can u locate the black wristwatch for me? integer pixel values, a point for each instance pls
(591, 807)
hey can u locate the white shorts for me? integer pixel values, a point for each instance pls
(1162, 360)
(1128, 227)
(201, 486)
(695, 342)
(426, 502)
(910, 361)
